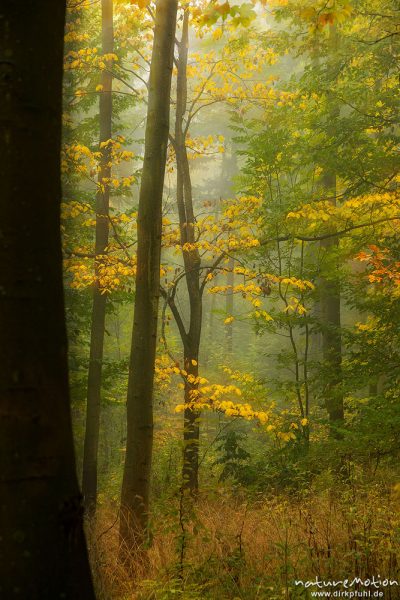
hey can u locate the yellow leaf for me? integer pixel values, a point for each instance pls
(217, 33)
(141, 3)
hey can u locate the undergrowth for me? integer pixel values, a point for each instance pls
(225, 547)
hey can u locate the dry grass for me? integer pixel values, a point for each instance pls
(234, 549)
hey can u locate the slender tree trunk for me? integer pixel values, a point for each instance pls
(192, 263)
(137, 470)
(191, 434)
(89, 479)
(42, 548)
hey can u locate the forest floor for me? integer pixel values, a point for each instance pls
(233, 548)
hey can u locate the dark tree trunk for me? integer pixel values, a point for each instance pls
(136, 479)
(42, 548)
(191, 434)
(89, 479)
(192, 264)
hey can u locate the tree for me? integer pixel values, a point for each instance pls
(200, 238)
(42, 547)
(137, 468)
(192, 264)
(303, 158)
(89, 479)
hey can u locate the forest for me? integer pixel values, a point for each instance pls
(201, 336)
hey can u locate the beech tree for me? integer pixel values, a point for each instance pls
(192, 262)
(136, 479)
(42, 547)
(89, 480)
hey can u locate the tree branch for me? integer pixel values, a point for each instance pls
(326, 236)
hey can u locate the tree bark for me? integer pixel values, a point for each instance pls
(191, 433)
(137, 469)
(93, 409)
(192, 264)
(42, 547)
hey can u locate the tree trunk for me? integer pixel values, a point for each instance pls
(136, 479)
(191, 433)
(42, 548)
(89, 479)
(192, 264)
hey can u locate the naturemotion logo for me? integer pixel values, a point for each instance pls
(347, 588)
